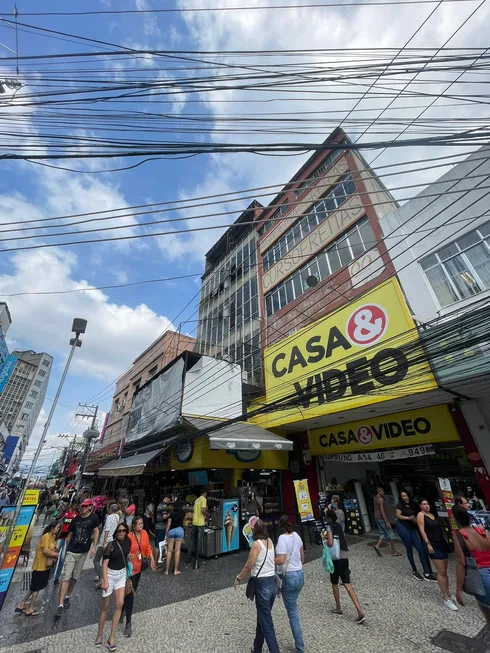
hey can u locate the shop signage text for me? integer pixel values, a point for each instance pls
(348, 359)
(411, 428)
(381, 456)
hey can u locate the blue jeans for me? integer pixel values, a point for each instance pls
(265, 595)
(411, 539)
(292, 584)
(61, 547)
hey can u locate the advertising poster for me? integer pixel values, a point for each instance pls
(230, 525)
(248, 530)
(448, 500)
(15, 544)
(303, 500)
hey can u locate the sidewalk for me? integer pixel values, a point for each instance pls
(402, 614)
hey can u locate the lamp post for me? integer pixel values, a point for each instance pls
(78, 327)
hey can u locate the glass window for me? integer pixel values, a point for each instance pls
(282, 295)
(268, 305)
(255, 306)
(253, 286)
(468, 240)
(367, 234)
(447, 252)
(298, 286)
(429, 261)
(333, 259)
(46, 363)
(42, 373)
(355, 243)
(344, 252)
(441, 286)
(246, 292)
(485, 229)
(275, 301)
(246, 311)
(323, 266)
(289, 291)
(479, 257)
(462, 277)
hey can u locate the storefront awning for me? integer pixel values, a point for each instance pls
(241, 436)
(130, 466)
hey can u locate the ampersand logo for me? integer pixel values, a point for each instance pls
(367, 324)
(364, 435)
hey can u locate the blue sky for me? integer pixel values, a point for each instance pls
(123, 322)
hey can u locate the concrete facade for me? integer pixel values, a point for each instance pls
(157, 356)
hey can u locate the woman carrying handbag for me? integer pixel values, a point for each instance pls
(262, 586)
(116, 571)
(472, 546)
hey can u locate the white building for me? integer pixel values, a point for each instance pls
(439, 243)
(5, 322)
(23, 397)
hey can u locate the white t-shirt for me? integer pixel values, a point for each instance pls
(110, 525)
(291, 546)
(267, 557)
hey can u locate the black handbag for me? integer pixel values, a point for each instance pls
(473, 583)
(252, 585)
(144, 561)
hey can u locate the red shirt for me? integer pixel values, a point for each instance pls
(67, 519)
(144, 544)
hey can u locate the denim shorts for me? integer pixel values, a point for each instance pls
(441, 551)
(485, 576)
(384, 531)
(176, 533)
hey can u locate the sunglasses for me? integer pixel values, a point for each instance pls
(121, 530)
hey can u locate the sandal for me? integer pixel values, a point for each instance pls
(19, 610)
(111, 647)
(396, 555)
(36, 613)
(97, 643)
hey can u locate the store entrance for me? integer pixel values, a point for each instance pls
(356, 483)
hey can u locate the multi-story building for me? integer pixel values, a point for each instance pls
(320, 244)
(5, 322)
(23, 396)
(146, 366)
(229, 309)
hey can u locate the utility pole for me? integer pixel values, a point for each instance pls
(89, 435)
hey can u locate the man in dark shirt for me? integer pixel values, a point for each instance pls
(82, 538)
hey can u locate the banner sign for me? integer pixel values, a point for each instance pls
(411, 428)
(157, 405)
(6, 370)
(303, 500)
(364, 353)
(19, 535)
(380, 456)
(448, 500)
(10, 446)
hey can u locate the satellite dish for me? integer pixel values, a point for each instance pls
(311, 281)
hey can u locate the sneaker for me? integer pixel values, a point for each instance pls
(59, 611)
(416, 575)
(128, 631)
(335, 611)
(430, 577)
(67, 602)
(451, 605)
(361, 619)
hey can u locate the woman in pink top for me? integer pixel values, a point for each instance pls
(474, 542)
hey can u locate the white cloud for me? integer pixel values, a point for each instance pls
(150, 25)
(116, 333)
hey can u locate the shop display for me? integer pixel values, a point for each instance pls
(353, 520)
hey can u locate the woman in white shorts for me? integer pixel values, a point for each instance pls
(114, 574)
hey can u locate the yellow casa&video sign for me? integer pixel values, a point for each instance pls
(364, 353)
(410, 428)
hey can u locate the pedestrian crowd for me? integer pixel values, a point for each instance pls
(108, 530)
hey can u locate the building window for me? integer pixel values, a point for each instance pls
(29, 404)
(38, 383)
(24, 417)
(42, 373)
(136, 385)
(46, 363)
(461, 269)
(153, 371)
(317, 214)
(340, 252)
(33, 394)
(318, 172)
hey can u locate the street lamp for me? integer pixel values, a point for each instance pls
(78, 327)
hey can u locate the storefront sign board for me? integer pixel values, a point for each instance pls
(364, 353)
(410, 428)
(381, 456)
(303, 500)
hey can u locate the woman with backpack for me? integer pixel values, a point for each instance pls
(472, 542)
(335, 539)
(289, 561)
